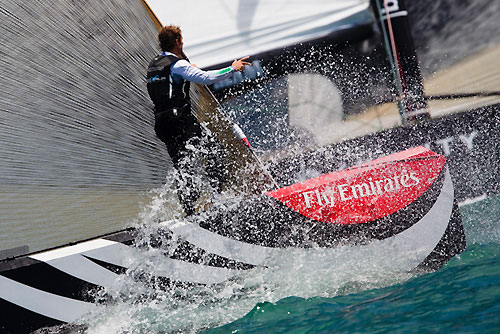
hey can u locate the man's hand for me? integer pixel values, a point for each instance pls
(239, 65)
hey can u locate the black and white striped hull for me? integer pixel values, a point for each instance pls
(58, 286)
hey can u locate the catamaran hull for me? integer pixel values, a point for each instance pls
(400, 210)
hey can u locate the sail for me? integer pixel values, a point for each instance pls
(226, 30)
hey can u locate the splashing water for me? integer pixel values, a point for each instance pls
(143, 305)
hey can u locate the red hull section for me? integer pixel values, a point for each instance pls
(366, 192)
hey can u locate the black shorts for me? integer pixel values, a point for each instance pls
(175, 129)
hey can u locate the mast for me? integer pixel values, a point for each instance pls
(392, 17)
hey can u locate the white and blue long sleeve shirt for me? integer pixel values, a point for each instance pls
(183, 70)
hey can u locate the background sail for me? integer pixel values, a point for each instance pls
(226, 30)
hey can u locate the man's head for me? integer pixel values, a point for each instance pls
(170, 38)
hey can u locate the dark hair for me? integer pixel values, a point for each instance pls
(167, 37)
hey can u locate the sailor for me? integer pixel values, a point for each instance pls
(168, 78)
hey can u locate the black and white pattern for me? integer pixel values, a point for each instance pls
(55, 286)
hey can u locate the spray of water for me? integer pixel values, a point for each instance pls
(142, 308)
(143, 303)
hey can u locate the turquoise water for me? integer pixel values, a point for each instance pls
(462, 297)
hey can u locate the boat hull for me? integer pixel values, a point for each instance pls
(408, 220)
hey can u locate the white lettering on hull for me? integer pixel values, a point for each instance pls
(448, 142)
(348, 192)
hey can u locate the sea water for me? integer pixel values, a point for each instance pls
(323, 294)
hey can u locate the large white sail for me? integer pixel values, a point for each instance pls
(220, 31)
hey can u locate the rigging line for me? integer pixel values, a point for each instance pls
(391, 62)
(256, 157)
(461, 95)
(449, 96)
(397, 59)
(393, 45)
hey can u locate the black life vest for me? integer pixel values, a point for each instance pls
(163, 91)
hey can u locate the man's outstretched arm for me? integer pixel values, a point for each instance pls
(191, 73)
